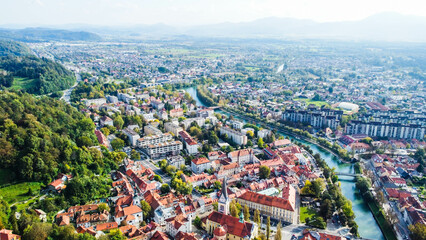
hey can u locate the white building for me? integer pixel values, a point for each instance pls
(132, 135)
(173, 128)
(179, 223)
(198, 165)
(151, 130)
(132, 215)
(263, 133)
(164, 149)
(176, 161)
(190, 144)
(242, 157)
(237, 137)
(97, 101)
(153, 139)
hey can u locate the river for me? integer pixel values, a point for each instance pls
(367, 226)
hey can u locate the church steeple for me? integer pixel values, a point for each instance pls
(224, 200)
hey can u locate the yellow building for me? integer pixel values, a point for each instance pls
(274, 207)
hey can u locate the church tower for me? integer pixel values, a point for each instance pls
(223, 204)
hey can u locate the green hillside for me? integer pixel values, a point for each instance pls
(19, 70)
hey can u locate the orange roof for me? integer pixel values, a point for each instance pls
(267, 200)
(234, 226)
(200, 160)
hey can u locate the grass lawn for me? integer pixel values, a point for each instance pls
(6, 176)
(23, 83)
(386, 228)
(18, 192)
(306, 212)
(309, 101)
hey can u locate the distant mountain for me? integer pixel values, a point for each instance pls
(379, 27)
(382, 27)
(47, 34)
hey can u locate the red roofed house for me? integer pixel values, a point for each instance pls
(232, 227)
(190, 144)
(312, 235)
(8, 235)
(179, 223)
(131, 214)
(198, 165)
(242, 157)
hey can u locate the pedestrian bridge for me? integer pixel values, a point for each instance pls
(348, 174)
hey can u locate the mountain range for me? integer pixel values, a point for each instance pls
(380, 27)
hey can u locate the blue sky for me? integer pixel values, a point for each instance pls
(193, 12)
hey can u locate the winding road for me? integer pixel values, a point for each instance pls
(67, 93)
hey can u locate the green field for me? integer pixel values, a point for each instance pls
(23, 83)
(18, 192)
(306, 212)
(6, 176)
(309, 101)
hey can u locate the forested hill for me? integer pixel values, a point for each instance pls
(21, 70)
(41, 137)
(13, 48)
(45, 34)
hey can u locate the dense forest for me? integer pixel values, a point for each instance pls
(13, 48)
(40, 75)
(41, 137)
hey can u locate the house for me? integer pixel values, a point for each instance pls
(198, 165)
(173, 128)
(242, 157)
(106, 121)
(176, 161)
(230, 227)
(132, 135)
(41, 215)
(8, 235)
(101, 138)
(131, 214)
(313, 235)
(176, 113)
(358, 147)
(179, 223)
(190, 144)
(59, 183)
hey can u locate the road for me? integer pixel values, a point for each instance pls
(148, 164)
(67, 93)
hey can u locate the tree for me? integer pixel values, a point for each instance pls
(264, 172)
(418, 231)
(326, 209)
(118, 122)
(146, 209)
(246, 213)
(260, 142)
(278, 236)
(217, 185)
(116, 234)
(165, 188)
(37, 231)
(268, 227)
(135, 155)
(197, 222)
(234, 208)
(105, 131)
(117, 144)
(158, 178)
(103, 207)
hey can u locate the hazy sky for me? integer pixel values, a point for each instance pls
(193, 12)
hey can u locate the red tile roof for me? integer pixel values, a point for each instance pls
(235, 227)
(267, 200)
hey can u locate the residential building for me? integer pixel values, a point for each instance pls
(151, 130)
(230, 227)
(237, 137)
(164, 149)
(191, 145)
(179, 223)
(132, 135)
(173, 128)
(274, 207)
(106, 121)
(242, 157)
(153, 139)
(8, 235)
(389, 130)
(132, 215)
(198, 165)
(176, 113)
(96, 102)
(176, 161)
